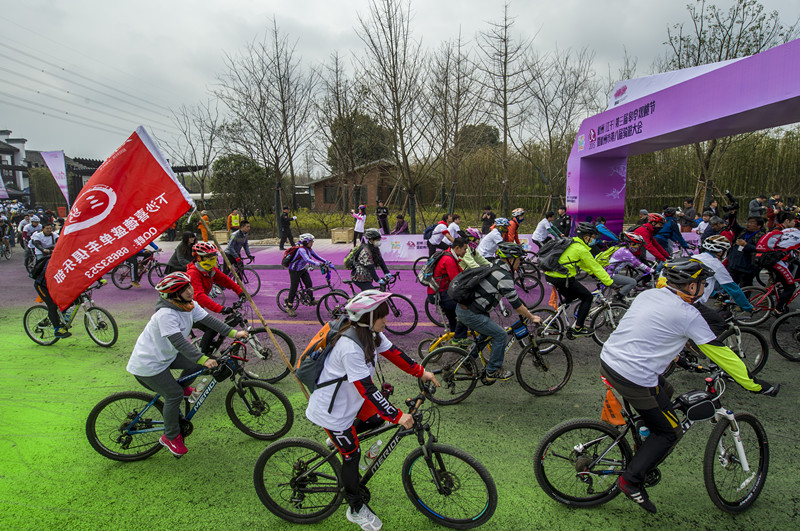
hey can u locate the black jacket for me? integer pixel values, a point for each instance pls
(742, 260)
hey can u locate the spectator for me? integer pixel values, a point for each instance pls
(713, 206)
(361, 218)
(772, 200)
(563, 222)
(740, 256)
(757, 208)
(201, 227)
(286, 228)
(715, 226)
(703, 224)
(773, 211)
(182, 256)
(172, 232)
(401, 227)
(234, 220)
(687, 217)
(383, 217)
(487, 219)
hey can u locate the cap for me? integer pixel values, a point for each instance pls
(643, 212)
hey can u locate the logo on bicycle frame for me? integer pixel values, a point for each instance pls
(92, 207)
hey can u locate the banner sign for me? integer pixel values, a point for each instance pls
(55, 163)
(409, 247)
(3, 191)
(131, 199)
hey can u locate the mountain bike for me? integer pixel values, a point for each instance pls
(543, 365)
(578, 462)
(603, 318)
(99, 323)
(5, 250)
(331, 306)
(127, 426)
(300, 480)
(764, 301)
(148, 264)
(785, 335)
(305, 296)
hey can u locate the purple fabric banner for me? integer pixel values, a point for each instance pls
(55, 163)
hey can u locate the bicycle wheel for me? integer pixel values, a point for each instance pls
(7, 253)
(544, 368)
(763, 304)
(121, 276)
(280, 300)
(419, 263)
(264, 362)
(217, 294)
(403, 315)
(433, 312)
(261, 411)
(295, 482)
(29, 261)
(449, 486)
(155, 274)
(112, 432)
(751, 347)
(456, 371)
(729, 486)
(606, 321)
(784, 335)
(530, 290)
(552, 326)
(101, 326)
(568, 466)
(424, 347)
(331, 306)
(38, 325)
(251, 280)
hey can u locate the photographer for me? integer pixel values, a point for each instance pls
(757, 208)
(688, 215)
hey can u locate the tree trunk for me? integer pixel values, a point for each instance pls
(412, 212)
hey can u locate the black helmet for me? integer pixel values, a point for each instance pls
(670, 211)
(510, 250)
(584, 227)
(372, 234)
(686, 270)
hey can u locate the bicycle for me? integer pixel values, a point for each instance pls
(127, 426)
(99, 323)
(331, 306)
(250, 279)
(5, 250)
(266, 364)
(785, 335)
(122, 275)
(543, 366)
(300, 480)
(305, 296)
(764, 301)
(577, 463)
(603, 318)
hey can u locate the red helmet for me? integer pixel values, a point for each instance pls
(173, 283)
(655, 218)
(204, 249)
(633, 237)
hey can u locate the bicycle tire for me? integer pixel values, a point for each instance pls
(552, 326)
(277, 483)
(556, 459)
(280, 300)
(785, 335)
(29, 261)
(267, 413)
(38, 326)
(217, 294)
(754, 350)
(155, 274)
(424, 346)
(250, 280)
(419, 263)
(721, 470)
(762, 305)
(103, 330)
(121, 276)
(264, 362)
(531, 289)
(601, 325)
(468, 497)
(432, 311)
(543, 369)
(7, 253)
(460, 384)
(106, 436)
(331, 306)
(401, 307)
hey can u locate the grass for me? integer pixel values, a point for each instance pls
(50, 478)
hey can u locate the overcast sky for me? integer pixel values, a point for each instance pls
(114, 65)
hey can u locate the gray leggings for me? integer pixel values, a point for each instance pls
(626, 284)
(171, 391)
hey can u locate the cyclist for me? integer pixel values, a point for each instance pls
(498, 284)
(454, 228)
(448, 266)
(41, 243)
(471, 257)
(785, 238)
(183, 255)
(40, 285)
(623, 255)
(27, 231)
(135, 259)
(5, 231)
(304, 258)
(238, 242)
(578, 254)
(670, 232)
(163, 346)
(203, 273)
(517, 217)
(649, 336)
(367, 260)
(489, 243)
(441, 238)
(355, 404)
(648, 231)
(544, 230)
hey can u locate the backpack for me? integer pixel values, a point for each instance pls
(604, 257)
(428, 232)
(312, 360)
(462, 287)
(288, 255)
(767, 258)
(39, 267)
(425, 276)
(551, 252)
(350, 259)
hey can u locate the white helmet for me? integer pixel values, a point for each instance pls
(34, 219)
(365, 302)
(716, 244)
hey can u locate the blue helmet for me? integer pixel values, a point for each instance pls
(501, 222)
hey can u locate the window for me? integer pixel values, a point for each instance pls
(361, 194)
(329, 193)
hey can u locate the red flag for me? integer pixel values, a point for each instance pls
(131, 199)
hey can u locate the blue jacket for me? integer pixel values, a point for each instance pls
(670, 231)
(606, 234)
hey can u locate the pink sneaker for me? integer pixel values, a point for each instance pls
(175, 446)
(188, 391)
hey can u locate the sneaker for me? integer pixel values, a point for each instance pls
(61, 333)
(290, 310)
(136, 284)
(499, 374)
(637, 494)
(187, 391)
(463, 342)
(175, 445)
(365, 518)
(582, 331)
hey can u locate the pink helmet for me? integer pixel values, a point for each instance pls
(365, 302)
(474, 236)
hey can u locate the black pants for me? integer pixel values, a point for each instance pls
(209, 335)
(294, 281)
(52, 309)
(347, 443)
(286, 234)
(364, 285)
(384, 225)
(448, 306)
(357, 238)
(654, 404)
(433, 248)
(570, 289)
(742, 279)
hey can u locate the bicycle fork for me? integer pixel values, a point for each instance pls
(725, 458)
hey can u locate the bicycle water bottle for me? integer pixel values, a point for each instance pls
(368, 458)
(197, 391)
(644, 432)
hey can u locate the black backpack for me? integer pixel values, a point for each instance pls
(462, 287)
(767, 258)
(551, 252)
(425, 276)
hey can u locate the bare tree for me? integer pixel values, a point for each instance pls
(199, 143)
(505, 78)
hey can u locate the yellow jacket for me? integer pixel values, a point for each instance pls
(579, 254)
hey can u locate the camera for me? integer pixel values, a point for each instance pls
(734, 203)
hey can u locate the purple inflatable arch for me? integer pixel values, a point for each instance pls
(753, 93)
